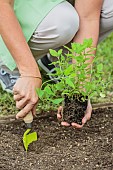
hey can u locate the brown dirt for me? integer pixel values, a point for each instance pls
(59, 148)
(74, 109)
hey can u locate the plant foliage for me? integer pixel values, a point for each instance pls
(74, 78)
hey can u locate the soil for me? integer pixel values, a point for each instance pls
(74, 109)
(58, 148)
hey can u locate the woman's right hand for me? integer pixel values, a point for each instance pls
(86, 117)
(25, 95)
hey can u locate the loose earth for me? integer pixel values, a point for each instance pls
(59, 148)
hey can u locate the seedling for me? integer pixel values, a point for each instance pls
(74, 86)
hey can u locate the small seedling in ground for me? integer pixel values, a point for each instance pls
(74, 87)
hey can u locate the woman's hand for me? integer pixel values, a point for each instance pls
(84, 120)
(25, 95)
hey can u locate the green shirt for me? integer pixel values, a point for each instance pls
(29, 13)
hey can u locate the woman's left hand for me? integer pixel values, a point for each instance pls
(84, 120)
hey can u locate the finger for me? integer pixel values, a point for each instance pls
(87, 114)
(84, 120)
(15, 92)
(60, 109)
(17, 97)
(86, 117)
(21, 103)
(59, 113)
(24, 111)
(59, 116)
(77, 125)
(34, 110)
(65, 124)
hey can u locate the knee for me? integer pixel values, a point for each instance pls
(106, 18)
(106, 24)
(67, 25)
(69, 28)
(61, 29)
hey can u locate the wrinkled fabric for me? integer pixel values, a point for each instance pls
(29, 14)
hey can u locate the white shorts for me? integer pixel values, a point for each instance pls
(61, 24)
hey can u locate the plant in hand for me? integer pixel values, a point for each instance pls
(77, 82)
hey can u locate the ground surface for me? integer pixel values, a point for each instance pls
(59, 148)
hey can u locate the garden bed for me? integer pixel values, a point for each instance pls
(58, 148)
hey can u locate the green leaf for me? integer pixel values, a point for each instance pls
(78, 48)
(84, 94)
(48, 90)
(79, 59)
(62, 58)
(88, 42)
(65, 92)
(59, 86)
(57, 101)
(53, 53)
(60, 52)
(91, 50)
(29, 138)
(39, 92)
(73, 75)
(70, 83)
(92, 94)
(68, 70)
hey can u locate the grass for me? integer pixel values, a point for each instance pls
(104, 55)
(7, 104)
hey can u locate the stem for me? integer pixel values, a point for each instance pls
(46, 82)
